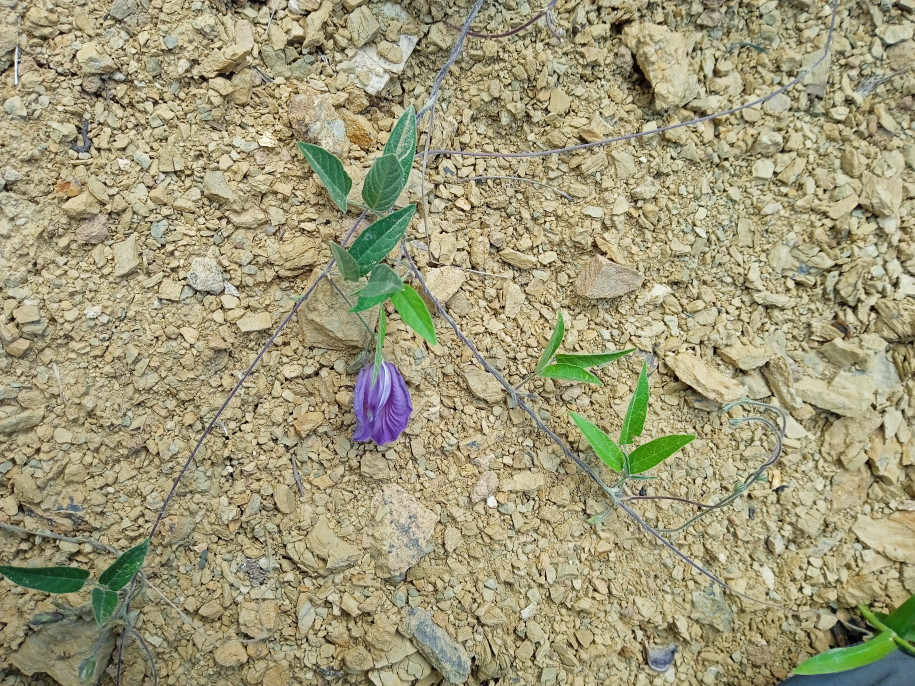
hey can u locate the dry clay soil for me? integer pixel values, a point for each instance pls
(777, 247)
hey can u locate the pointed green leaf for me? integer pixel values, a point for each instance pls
(87, 668)
(379, 239)
(905, 645)
(347, 266)
(655, 452)
(585, 360)
(902, 619)
(402, 141)
(569, 372)
(382, 281)
(123, 569)
(414, 313)
(363, 304)
(104, 603)
(553, 345)
(638, 410)
(602, 444)
(844, 659)
(331, 172)
(383, 183)
(47, 579)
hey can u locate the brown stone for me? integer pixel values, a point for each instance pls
(602, 278)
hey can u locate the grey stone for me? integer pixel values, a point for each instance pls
(849, 489)
(882, 196)
(768, 143)
(844, 353)
(59, 649)
(314, 120)
(661, 54)
(602, 278)
(92, 59)
(157, 231)
(362, 25)
(891, 34)
(93, 230)
(847, 439)
(217, 189)
(778, 373)
(849, 395)
(121, 9)
(126, 257)
(446, 655)
(711, 608)
(15, 108)
(205, 275)
(401, 532)
(897, 319)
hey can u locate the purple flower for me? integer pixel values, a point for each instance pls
(383, 409)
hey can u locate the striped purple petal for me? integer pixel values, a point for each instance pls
(383, 408)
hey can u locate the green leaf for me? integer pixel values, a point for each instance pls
(569, 372)
(331, 172)
(655, 452)
(379, 239)
(383, 183)
(379, 344)
(402, 141)
(638, 410)
(902, 619)
(843, 659)
(602, 444)
(104, 603)
(123, 569)
(383, 283)
(349, 270)
(87, 668)
(414, 313)
(553, 345)
(47, 579)
(584, 360)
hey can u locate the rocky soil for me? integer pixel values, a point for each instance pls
(146, 255)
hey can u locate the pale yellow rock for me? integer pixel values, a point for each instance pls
(706, 379)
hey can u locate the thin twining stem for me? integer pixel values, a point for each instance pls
(663, 129)
(452, 58)
(511, 32)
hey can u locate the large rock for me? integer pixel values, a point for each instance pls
(893, 539)
(314, 120)
(897, 320)
(849, 395)
(324, 543)
(881, 196)
(59, 650)
(602, 278)
(446, 655)
(661, 54)
(402, 529)
(327, 323)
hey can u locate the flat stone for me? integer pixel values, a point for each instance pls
(26, 314)
(896, 323)
(485, 486)
(446, 655)
(847, 439)
(59, 650)
(401, 532)
(518, 259)
(743, 356)
(849, 489)
(231, 654)
(258, 618)
(891, 34)
(284, 498)
(849, 395)
(21, 421)
(661, 54)
(844, 353)
(293, 256)
(126, 257)
(711, 608)
(705, 379)
(778, 374)
(314, 120)
(362, 25)
(483, 384)
(250, 218)
(15, 108)
(82, 206)
(360, 130)
(601, 278)
(205, 275)
(323, 542)
(170, 290)
(444, 282)
(92, 59)
(217, 189)
(93, 230)
(524, 482)
(326, 322)
(881, 196)
(768, 143)
(255, 321)
(895, 540)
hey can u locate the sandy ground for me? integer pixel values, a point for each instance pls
(777, 246)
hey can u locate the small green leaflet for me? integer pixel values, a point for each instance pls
(47, 579)
(349, 270)
(902, 619)
(383, 183)
(555, 341)
(87, 668)
(602, 444)
(383, 282)
(585, 360)
(634, 421)
(843, 659)
(402, 141)
(379, 344)
(104, 603)
(331, 172)
(125, 567)
(414, 313)
(655, 452)
(569, 372)
(379, 239)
